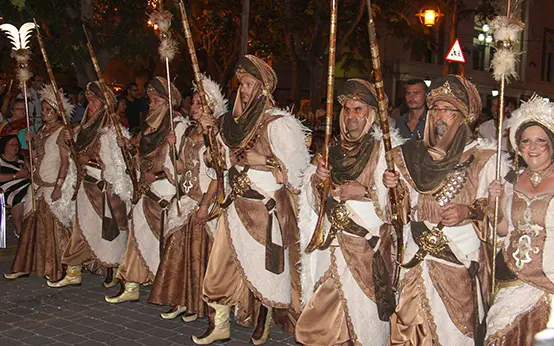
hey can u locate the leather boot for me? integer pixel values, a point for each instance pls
(131, 293)
(174, 312)
(110, 280)
(219, 328)
(190, 317)
(13, 276)
(261, 332)
(72, 278)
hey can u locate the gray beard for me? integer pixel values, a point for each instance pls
(440, 128)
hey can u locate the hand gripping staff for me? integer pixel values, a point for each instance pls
(318, 236)
(209, 139)
(383, 117)
(65, 121)
(113, 119)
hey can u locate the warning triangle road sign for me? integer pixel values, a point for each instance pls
(455, 54)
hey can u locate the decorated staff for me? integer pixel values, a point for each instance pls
(21, 53)
(167, 50)
(506, 31)
(114, 120)
(317, 238)
(65, 120)
(211, 142)
(383, 117)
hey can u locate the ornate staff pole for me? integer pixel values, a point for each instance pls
(211, 141)
(383, 117)
(506, 30)
(21, 53)
(167, 50)
(60, 106)
(318, 236)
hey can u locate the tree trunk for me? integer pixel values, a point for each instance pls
(244, 27)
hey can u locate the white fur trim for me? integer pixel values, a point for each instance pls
(115, 168)
(64, 208)
(395, 137)
(287, 137)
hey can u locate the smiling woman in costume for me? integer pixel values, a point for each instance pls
(525, 266)
(46, 231)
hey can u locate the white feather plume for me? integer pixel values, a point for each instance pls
(505, 29)
(504, 64)
(19, 38)
(506, 34)
(216, 101)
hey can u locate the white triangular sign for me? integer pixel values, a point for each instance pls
(455, 54)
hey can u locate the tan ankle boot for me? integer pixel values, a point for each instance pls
(173, 313)
(111, 278)
(131, 293)
(219, 328)
(72, 278)
(261, 333)
(16, 275)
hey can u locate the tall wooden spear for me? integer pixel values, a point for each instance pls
(211, 141)
(506, 31)
(21, 53)
(65, 121)
(383, 117)
(318, 236)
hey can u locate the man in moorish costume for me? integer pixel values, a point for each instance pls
(255, 250)
(445, 263)
(99, 234)
(152, 212)
(189, 237)
(339, 287)
(46, 231)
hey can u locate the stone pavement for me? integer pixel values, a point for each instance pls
(31, 313)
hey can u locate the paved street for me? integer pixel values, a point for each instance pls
(33, 314)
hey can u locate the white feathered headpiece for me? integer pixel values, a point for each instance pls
(537, 109)
(48, 94)
(217, 103)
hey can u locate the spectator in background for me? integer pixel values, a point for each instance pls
(144, 104)
(120, 111)
(14, 178)
(134, 106)
(412, 123)
(320, 116)
(306, 115)
(16, 123)
(77, 97)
